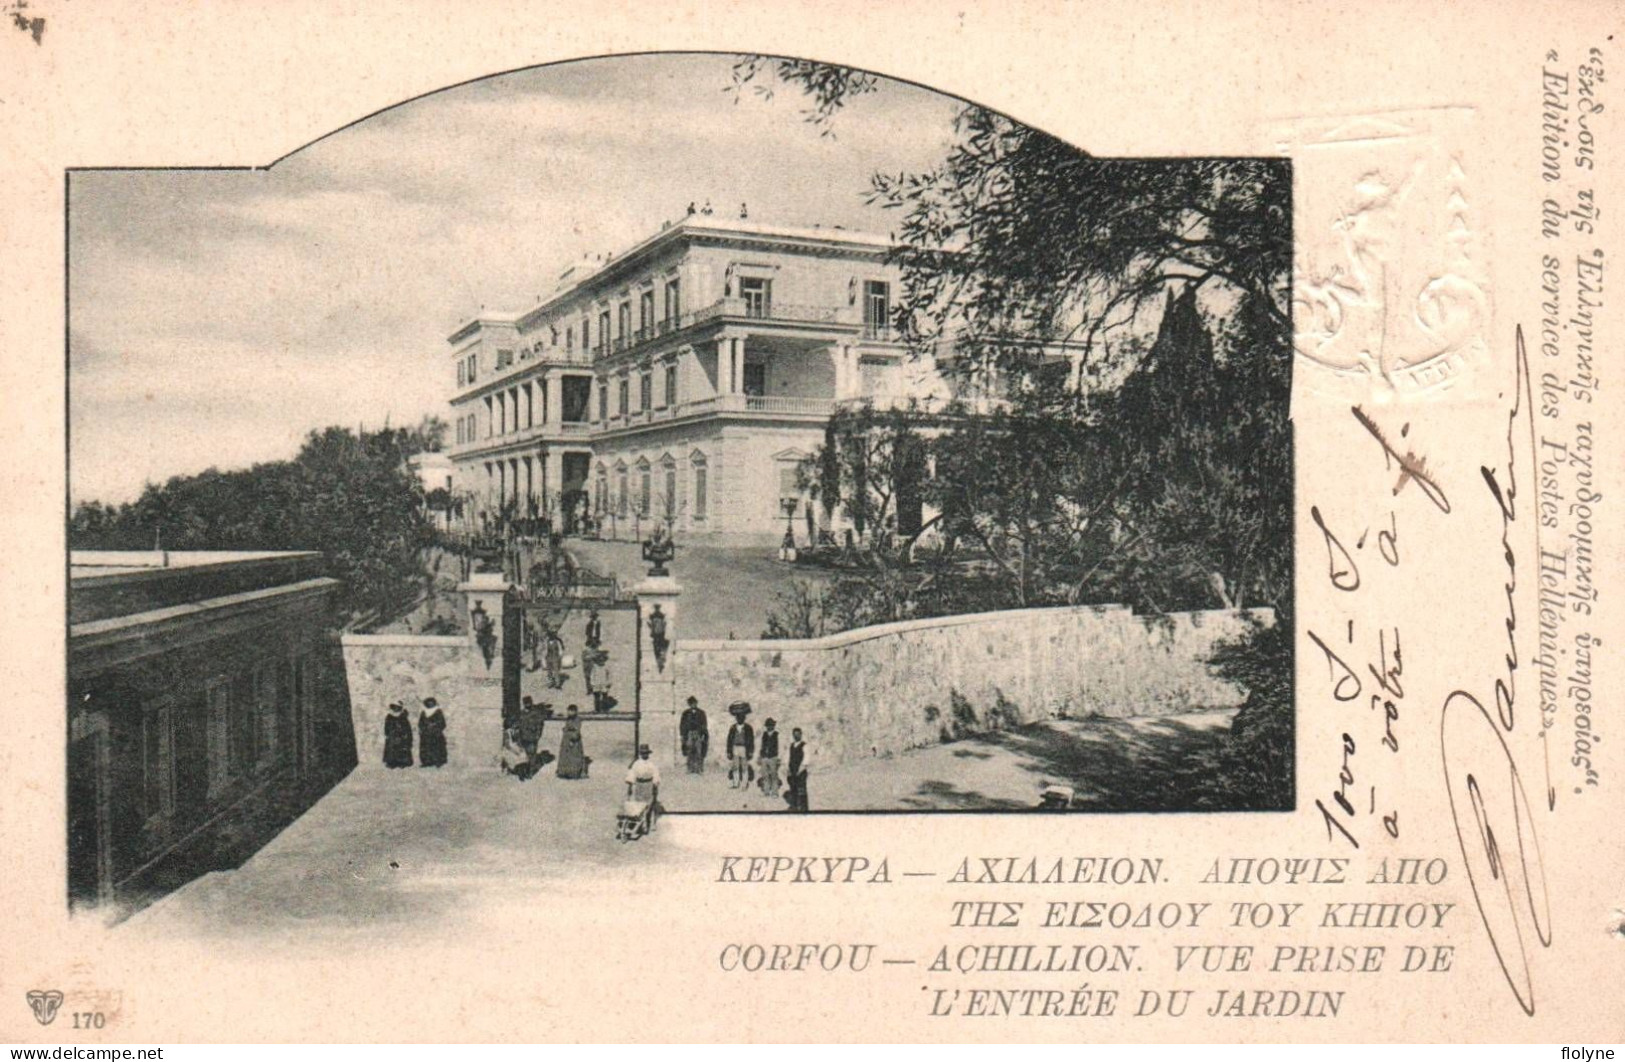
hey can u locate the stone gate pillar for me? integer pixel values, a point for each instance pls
(657, 612)
(488, 590)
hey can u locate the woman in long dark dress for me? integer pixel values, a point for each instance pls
(573, 761)
(431, 734)
(555, 659)
(397, 737)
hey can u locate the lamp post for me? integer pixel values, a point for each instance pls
(787, 548)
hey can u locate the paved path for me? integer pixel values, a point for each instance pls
(1113, 764)
(727, 591)
(450, 849)
(448, 853)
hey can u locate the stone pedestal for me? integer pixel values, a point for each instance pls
(659, 684)
(488, 590)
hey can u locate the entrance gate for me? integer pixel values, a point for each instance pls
(562, 603)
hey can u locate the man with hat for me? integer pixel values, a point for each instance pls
(694, 730)
(642, 794)
(741, 747)
(800, 762)
(769, 780)
(643, 773)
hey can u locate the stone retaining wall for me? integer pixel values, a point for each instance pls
(880, 690)
(381, 668)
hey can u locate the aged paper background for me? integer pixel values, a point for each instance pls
(1424, 119)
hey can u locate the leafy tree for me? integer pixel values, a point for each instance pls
(870, 460)
(1255, 766)
(1020, 484)
(348, 495)
(1133, 315)
(1156, 468)
(828, 86)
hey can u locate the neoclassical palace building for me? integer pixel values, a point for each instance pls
(684, 379)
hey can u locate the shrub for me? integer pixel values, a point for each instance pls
(1256, 764)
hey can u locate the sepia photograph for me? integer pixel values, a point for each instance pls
(1030, 522)
(663, 434)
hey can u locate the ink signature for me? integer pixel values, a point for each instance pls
(1488, 804)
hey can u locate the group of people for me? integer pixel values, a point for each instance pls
(431, 735)
(545, 644)
(522, 754)
(752, 759)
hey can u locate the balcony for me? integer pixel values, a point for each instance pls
(536, 432)
(886, 401)
(752, 310)
(786, 312)
(767, 405)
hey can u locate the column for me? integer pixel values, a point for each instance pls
(553, 393)
(530, 485)
(477, 724)
(553, 471)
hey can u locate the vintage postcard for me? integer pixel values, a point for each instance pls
(1044, 522)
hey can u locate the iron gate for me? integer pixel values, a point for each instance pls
(555, 600)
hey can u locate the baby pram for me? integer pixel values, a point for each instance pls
(637, 815)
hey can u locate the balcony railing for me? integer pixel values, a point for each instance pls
(788, 312)
(769, 404)
(523, 435)
(750, 309)
(779, 404)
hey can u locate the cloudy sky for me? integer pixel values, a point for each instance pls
(217, 317)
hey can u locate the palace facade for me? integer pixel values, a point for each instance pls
(685, 379)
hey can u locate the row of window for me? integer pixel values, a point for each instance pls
(646, 393)
(250, 723)
(647, 321)
(755, 293)
(646, 503)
